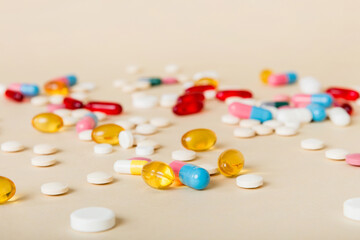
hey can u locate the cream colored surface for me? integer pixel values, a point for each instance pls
(303, 192)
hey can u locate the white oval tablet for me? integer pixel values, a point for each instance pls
(43, 161)
(160, 122)
(183, 155)
(168, 100)
(263, 130)
(147, 101)
(273, 123)
(293, 124)
(92, 219)
(210, 94)
(229, 119)
(336, 154)
(69, 121)
(62, 112)
(100, 116)
(54, 188)
(103, 148)
(126, 139)
(249, 181)
(79, 113)
(312, 144)
(244, 132)
(145, 129)
(249, 123)
(211, 168)
(56, 99)
(138, 120)
(339, 116)
(127, 125)
(144, 150)
(39, 100)
(12, 146)
(149, 142)
(352, 208)
(44, 149)
(286, 131)
(81, 96)
(99, 178)
(85, 135)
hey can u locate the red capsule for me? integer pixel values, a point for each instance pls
(201, 88)
(191, 97)
(109, 108)
(347, 107)
(187, 108)
(71, 103)
(223, 95)
(344, 93)
(14, 95)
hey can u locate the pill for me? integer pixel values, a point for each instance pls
(172, 68)
(281, 98)
(139, 138)
(62, 112)
(80, 96)
(278, 79)
(103, 148)
(39, 100)
(146, 101)
(230, 162)
(191, 97)
(92, 219)
(12, 146)
(138, 120)
(263, 130)
(318, 112)
(347, 107)
(107, 133)
(168, 100)
(206, 81)
(249, 181)
(352, 209)
(26, 89)
(158, 175)
(79, 113)
(130, 166)
(52, 107)
(312, 144)
(273, 123)
(187, 108)
(302, 115)
(56, 87)
(109, 108)
(229, 119)
(339, 116)
(47, 122)
(249, 123)
(54, 188)
(210, 94)
(336, 154)
(100, 116)
(343, 93)
(89, 121)
(14, 95)
(127, 125)
(56, 99)
(145, 129)
(71, 103)
(7, 189)
(169, 80)
(285, 131)
(293, 124)
(310, 85)
(99, 178)
(85, 135)
(245, 111)
(69, 80)
(205, 74)
(191, 175)
(43, 161)
(264, 75)
(126, 139)
(183, 155)
(2, 88)
(223, 95)
(150, 143)
(144, 150)
(160, 122)
(275, 104)
(69, 121)
(244, 132)
(199, 88)
(200, 139)
(301, 100)
(45, 149)
(211, 168)
(353, 159)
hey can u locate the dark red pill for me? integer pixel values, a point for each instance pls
(14, 95)
(347, 107)
(223, 95)
(191, 97)
(201, 88)
(71, 103)
(187, 108)
(109, 108)
(343, 93)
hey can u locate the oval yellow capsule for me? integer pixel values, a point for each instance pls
(107, 133)
(158, 175)
(7, 189)
(264, 75)
(231, 162)
(206, 81)
(56, 87)
(47, 122)
(200, 139)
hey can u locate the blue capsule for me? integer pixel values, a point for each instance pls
(194, 176)
(72, 80)
(322, 98)
(318, 112)
(260, 114)
(291, 77)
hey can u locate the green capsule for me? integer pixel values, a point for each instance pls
(275, 104)
(154, 81)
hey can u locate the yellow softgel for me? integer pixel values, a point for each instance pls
(206, 81)
(158, 175)
(56, 87)
(230, 162)
(7, 189)
(200, 139)
(264, 75)
(107, 133)
(47, 122)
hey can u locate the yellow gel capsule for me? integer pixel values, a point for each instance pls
(230, 162)
(107, 133)
(264, 75)
(7, 189)
(200, 139)
(47, 122)
(56, 87)
(158, 175)
(206, 81)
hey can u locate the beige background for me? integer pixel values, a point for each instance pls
(303, 194)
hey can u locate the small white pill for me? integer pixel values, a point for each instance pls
(139, 138)
(146, 129)
(168, 100)
(273, 123)
(339, 116)
(147, 101)
(103, 148)
(263, 130)
(92, 219)
(39, 100)
(160, 122)
(249, 181)
(69, 121)
(229, 119)
(43, 161)
(309, 85)
(12, 146)
(336, 153)
(45, 149)
(119, 83)
(144, 150)
(249, 123)
(183, 155)
(244, 132)
(302, 115)
(312, 144)
(172, 68)
(210, 94)
(85, 135)
(54, 188)
(100, 116)
(126, 139)
(211, 168)
(286, 131)
(99, 178)
(133, 69)
(352, 209)
(79, 113)
(138, 120)
(56, 99)
(150, 143)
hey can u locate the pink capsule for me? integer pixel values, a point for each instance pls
(86, 123)
(241, 110)
(53, 107)
(169, 80)
(281, 98)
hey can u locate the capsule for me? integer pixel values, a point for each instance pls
(26, 89)
(89, 121)
(241, 110)
(154, 81)
(47, 122)
(191, 175)
(276, 104)
(282, 79)
(300, 115)
(109, 108)
(169, 80)
(107, 133)
(347, 107)
(201, 89)
(318, 112)
(230, 163)
(14, 95)
(133, 167)
(302, 100)
(264, 75)
(223, 95)
(187, 108)
(343, 93)
(7, 189)
(200, 139)
(71, 103)
(206, 81)
(191, 97)
(339, 116)
(158, 175)
(69, 80)
(56, 87)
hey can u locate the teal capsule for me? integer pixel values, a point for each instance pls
(154, 81)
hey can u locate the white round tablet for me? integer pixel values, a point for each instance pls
(103, 148)
(249, 181)
(183, 155)
(92, 219)
(336, 153)
(244, 132)
(85, 135)
(312, 144)
(263, 130)
(43, 161)
(69, 121)
(147, 101)
(210, 94)
(286, 131)
(229, 119)
(100, 116)
(211, 168)
(56, 99)
(39, 100)
(144, 150)
(138, 120)
(145, 129)
(63, 112)
(99, 178)
(249, 123)
(54, 188)
(273, 123)
(148, 142)
(12, 146)
(127, 125)
(44, 149)
(352, 208)
(126, 139)
(160, 122)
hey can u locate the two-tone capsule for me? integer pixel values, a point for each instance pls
(276, 104)
(89, 121)
(191, 175)
(343, 93)
(245, 111)
(302, 100)
(272, 79)
(29, 90)
(133, 167)
(153, 81)
(109, 108)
